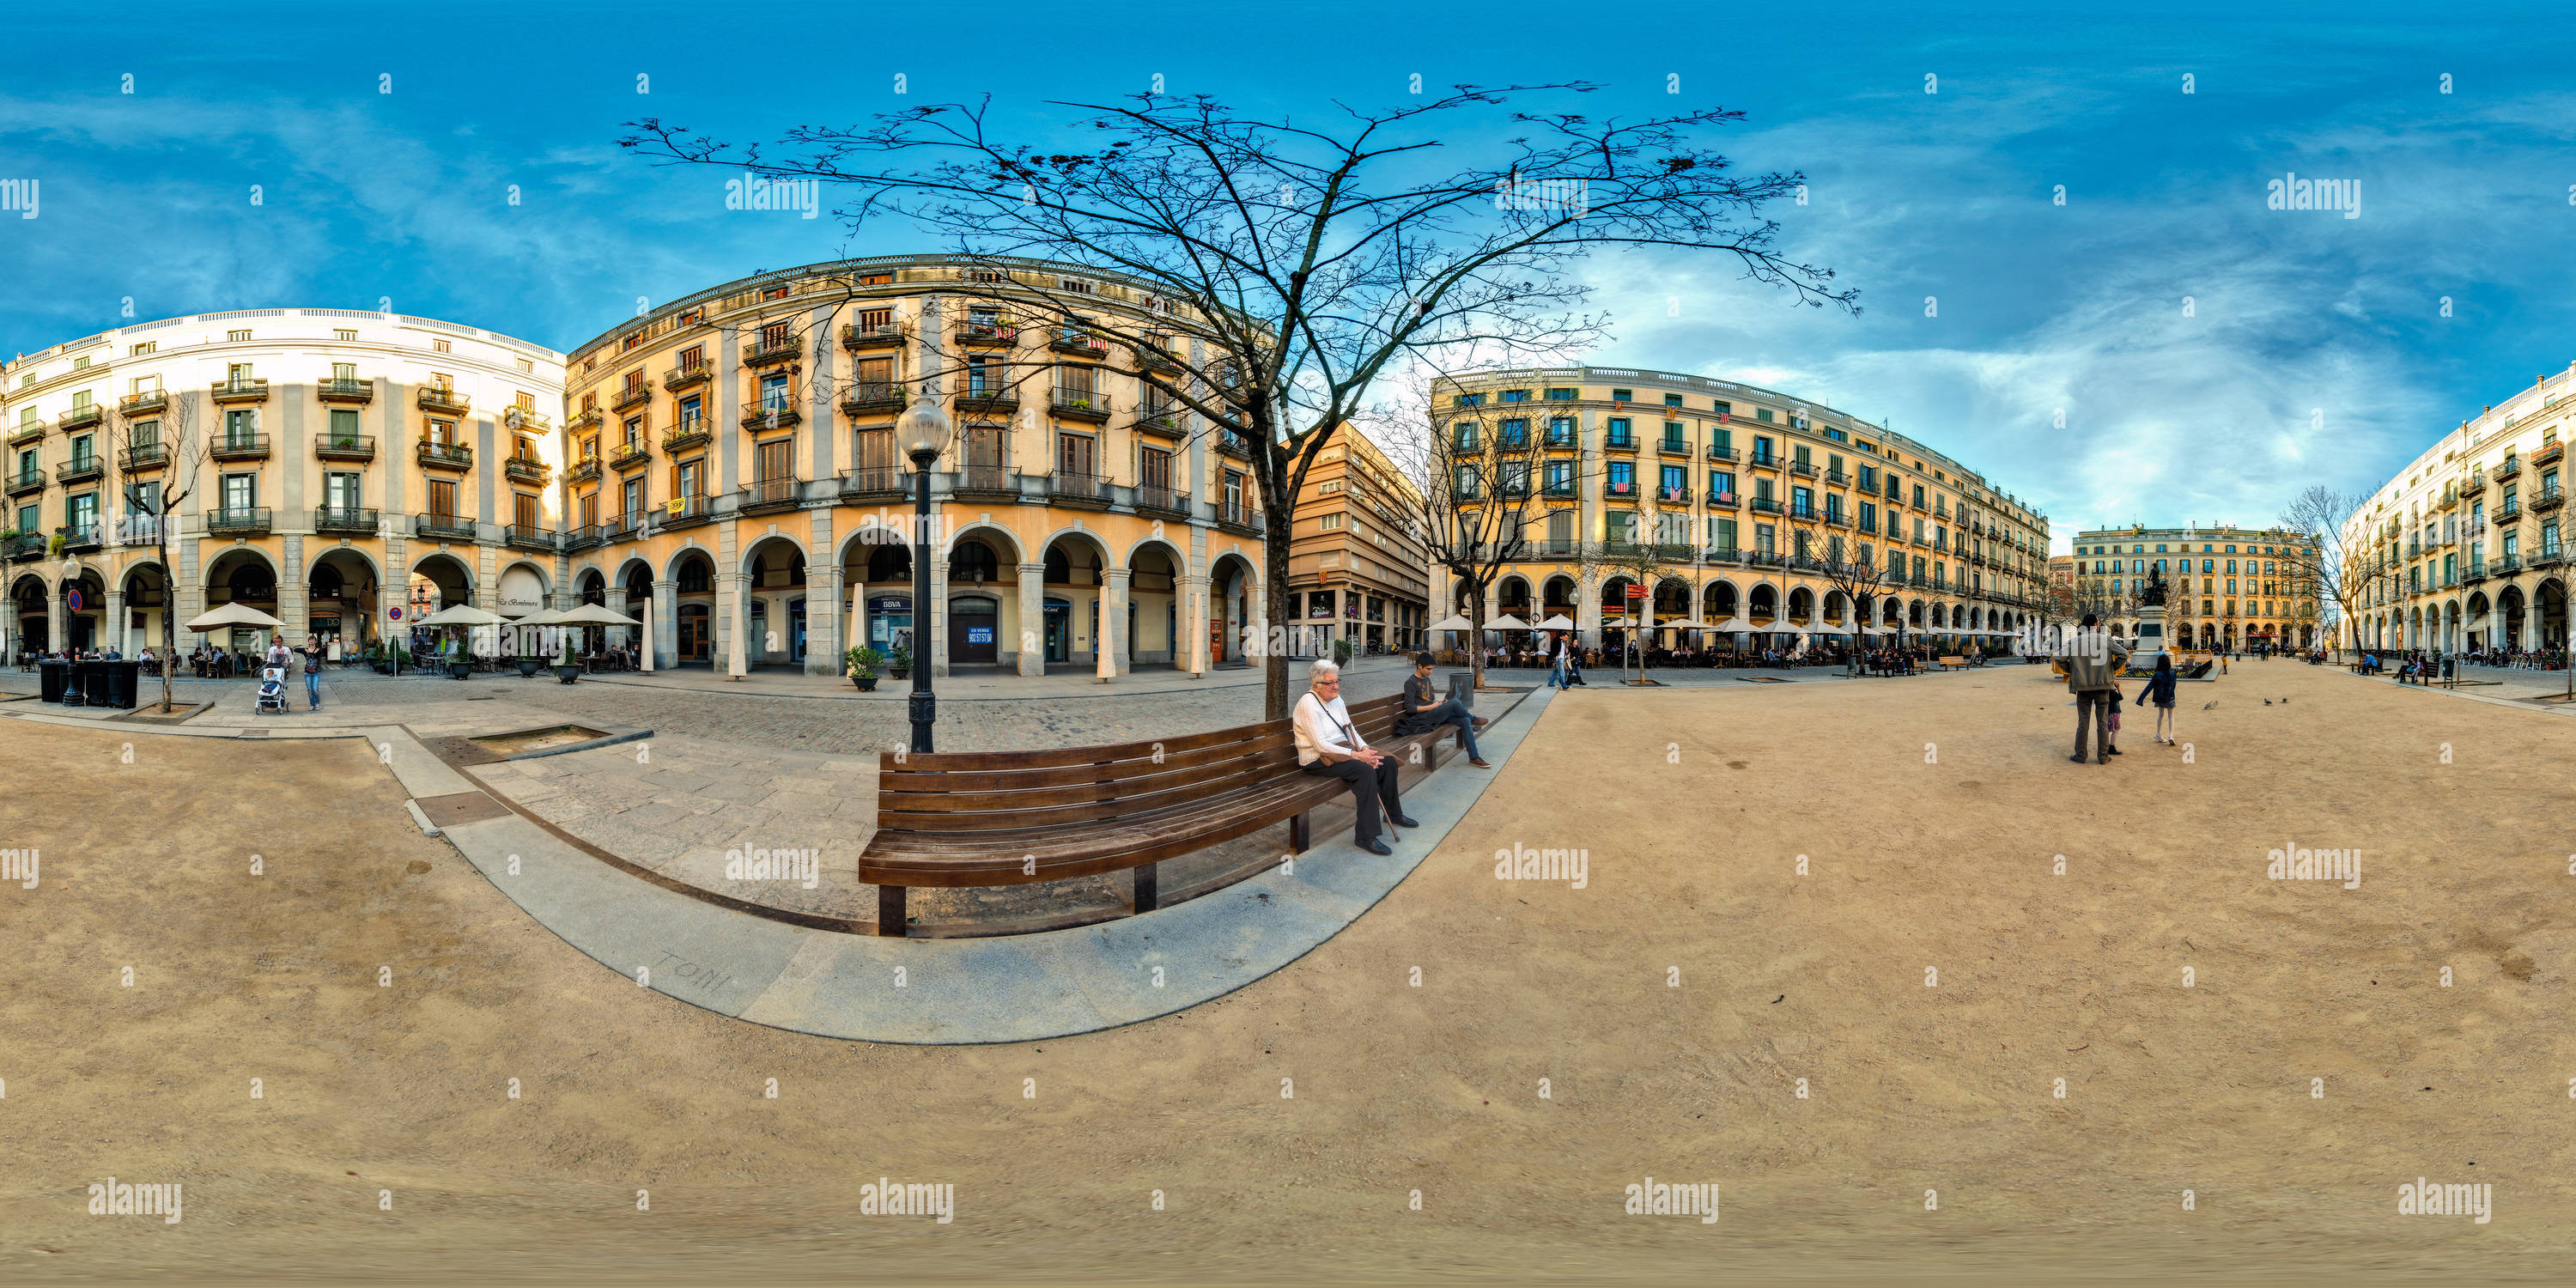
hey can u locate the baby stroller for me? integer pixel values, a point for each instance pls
(272, 690)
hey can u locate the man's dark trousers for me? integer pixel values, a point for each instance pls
(1364, 802)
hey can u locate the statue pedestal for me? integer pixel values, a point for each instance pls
(2150, 642)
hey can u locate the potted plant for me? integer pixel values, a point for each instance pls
(458, 664)
(529, 662)
(899, 662)
(862, 664)
(1341, 652)
(567, 669)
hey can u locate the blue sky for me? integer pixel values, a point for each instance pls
(2317, 349)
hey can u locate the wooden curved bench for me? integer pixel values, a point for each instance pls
(1018, 817)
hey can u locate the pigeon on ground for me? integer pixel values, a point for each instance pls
(2207, 705)
(2267, 702)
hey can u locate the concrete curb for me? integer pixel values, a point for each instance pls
(957, 991)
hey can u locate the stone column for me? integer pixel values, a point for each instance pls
(666, 624)
(735, 588)
(930, 622)
(9, 641)
(823, 646)
(1587, 612)
(1032, 619)
(116, 632)
(1194, 608)
(58, 623)
(294, 590)
(1113, 620)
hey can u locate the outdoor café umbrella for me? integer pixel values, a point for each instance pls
(1733, 626)
(457, 615)
(1453, 622)
(234, 615)
(1557, 623)
(1507, 622)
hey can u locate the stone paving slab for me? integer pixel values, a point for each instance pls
(1013, 989)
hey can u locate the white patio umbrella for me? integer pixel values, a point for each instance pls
(589, 615)
(1453, 622)
(1733, 626)
(234, 615)
(1558, 623)
(1507, 622)
(461, 615)
(541, 617)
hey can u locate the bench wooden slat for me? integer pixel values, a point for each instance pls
(909, 781)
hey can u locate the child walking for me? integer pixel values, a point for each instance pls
(2160, 687)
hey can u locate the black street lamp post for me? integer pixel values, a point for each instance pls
(923, 431)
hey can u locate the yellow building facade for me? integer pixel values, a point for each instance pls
(733, 473)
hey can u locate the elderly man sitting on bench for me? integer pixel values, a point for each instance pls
(1328, 746)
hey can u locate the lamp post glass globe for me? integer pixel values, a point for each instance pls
(923, 429)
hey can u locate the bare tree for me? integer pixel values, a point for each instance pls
(1859, 580)
(1476, 497)
(152, 495)
(1303, 259)
(1640, 559)
(2337, 562)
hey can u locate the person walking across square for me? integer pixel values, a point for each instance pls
(2092, 658)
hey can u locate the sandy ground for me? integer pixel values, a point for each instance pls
(1671, 1005)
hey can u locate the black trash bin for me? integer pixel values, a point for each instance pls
(52, 679)
(113, 684)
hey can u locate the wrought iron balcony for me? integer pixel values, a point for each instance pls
(986, 480)
(443, 527)
(1560, 490)
(27, 432)
(1619, 444)
(991, 399)
(2509, 512)
(769, 353)
(856, 337)
(586, 418)
(872, 398)
(2549, 452)
(1673, 447)
(626, 456)
(877, 481)
(1068, 488)
(336, 390)
(1155, 499)
(1080, 404)
(632, 396)
(583, 470)
(1761, 461)
(581, 538)
(1154, 359)
(689, 375)
(777, 415)
(1077, 343)
(1618, 490)
(25, 482)
(1230, 443)
(996, 335)
(329, 519)
(526, 418)
(690, 436)
(1802, 469)
(23, 547)
(248, 389)
(1160, 421)
(80, 469)
(1724, 501)
(2549, 499)
(761, 496)
(147, 456)
(147, 402)
(527, 538)
(435, 398)
(344, 447)
(1837, 478)
(80, 539)
(239, 447)
(246, 521)
(1240, 518)
(2508, 468)
(526, 469)
(445, 456)
(1766, 505)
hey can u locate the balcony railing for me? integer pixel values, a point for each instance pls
(238, 522)
(2509, 512)
(1717, 453)
(239, 447)
(1080, 344)
(1240, 518)
(526, 469)
(986, 479)
(1153, 359)
(988, 399)
(24, 546)
(2548, 500)
(1619, 444)
(1618, 490)
(528, 538)
(688, 374)
(582, 471)
(526, 418)
(1766, 505)
(443, 400)
(80, 469)
(25, 481)
(763, 495)
(1802, 469)
(689, 436)
(1158, 499)
(1230, 443)
(80, 539)
(1160, 420)
(1837, 478)
(1069, 488)
(2550, 557)
(1561, 490)
(777, 415)
(1673, 447)
(2508, 565)
(329, 519)
(684, 512)
(1080, 404)
(769, 352)
(876, 480)
(1760, 461)
(987, 335)
(2549, 451)
(146, 456)
(618, 527)
(443, 527)
(632, 396)
(586, 418)
(1724, 501)
(581, 537)
(344, 447)
(854, 336)
(352, 390)
(2508, 468)
(626, 456)
(245, 390)
(872, 398)
(445, 456)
